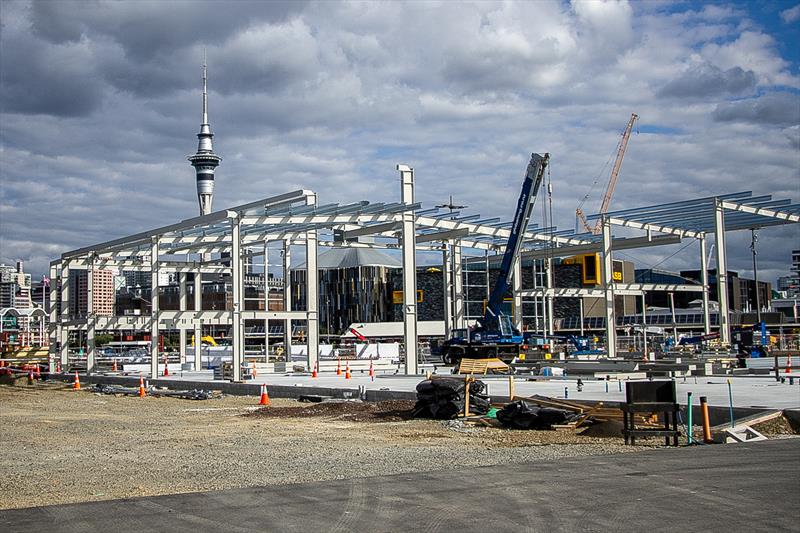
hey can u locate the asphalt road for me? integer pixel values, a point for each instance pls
(742, 487)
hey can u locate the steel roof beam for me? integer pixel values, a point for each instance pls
(321, 219)
(189, 223)
(492, 231)
(684, 203)
(616, 244)
(671, 230)
(762, 211)
(443, 235)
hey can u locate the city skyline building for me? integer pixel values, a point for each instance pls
(103, 293)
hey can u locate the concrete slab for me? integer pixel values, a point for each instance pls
(742, 487)
(748, 391)
(760, 392)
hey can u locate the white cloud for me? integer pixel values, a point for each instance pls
(330, 95)
(752, 51)
(791, 15)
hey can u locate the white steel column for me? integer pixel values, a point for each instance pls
(91, 351)
(516, 286)
(154, 314)
(447, 280)
(182, 304)
(312, 294)
(672, 313)
(722, 274)
(198, 325)
(237, 330)
(704, 281)
(409, 271)
(64, 318)
(549, 299)
(458, 288)
(287, 298)
(644, 325)
(266, 301)
(54, 327)
(608, 285)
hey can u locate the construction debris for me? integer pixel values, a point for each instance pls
(522, 415)
(444, 398)
(194, 394)
(742, 434)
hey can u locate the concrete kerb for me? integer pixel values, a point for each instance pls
(234, 389)
(717, 414)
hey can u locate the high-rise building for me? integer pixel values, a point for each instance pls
(205, 161)
(103, 293)
(15, 287)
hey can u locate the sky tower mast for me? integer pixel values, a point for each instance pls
(205, 161)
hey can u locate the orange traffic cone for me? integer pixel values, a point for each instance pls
(789, 364)
(58, 367)
(314, 372)
(166, 368)
(30, 377)
(114, 366)
(371, 371)
(142, 392)
(338, 366)
(264, 396)
(2, 363)
(347, 371)
(37, 373)
(76, 385)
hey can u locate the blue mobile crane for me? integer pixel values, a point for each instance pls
(495, 334)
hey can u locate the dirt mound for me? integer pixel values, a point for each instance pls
(386, 411)
(610, 428)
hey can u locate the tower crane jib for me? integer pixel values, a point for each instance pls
(612, 181)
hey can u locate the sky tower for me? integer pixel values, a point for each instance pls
(205, 160)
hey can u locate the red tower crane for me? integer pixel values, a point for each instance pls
(612, 181)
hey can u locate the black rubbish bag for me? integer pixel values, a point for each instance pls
(522, 415)
(443, 398)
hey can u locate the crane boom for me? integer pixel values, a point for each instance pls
(495, 334)
(612, 181)
(522, 215)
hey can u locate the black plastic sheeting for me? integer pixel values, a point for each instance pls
(443, 398)
(522, 415)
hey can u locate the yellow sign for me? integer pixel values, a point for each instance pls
(397, 297)
(617, 276)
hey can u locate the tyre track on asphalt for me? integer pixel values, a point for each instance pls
(196, 520)
(353, 509)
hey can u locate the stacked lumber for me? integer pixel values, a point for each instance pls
(482, 366)
(585, 413)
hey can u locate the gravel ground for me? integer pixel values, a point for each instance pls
(776, 427)
(61, 446)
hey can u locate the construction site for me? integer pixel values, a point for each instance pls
(349, 359)
(207, 394)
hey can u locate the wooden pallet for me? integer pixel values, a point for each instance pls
(482, 366)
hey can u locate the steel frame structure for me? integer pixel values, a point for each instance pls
(296, 218)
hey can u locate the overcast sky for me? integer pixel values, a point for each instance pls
(100, 103)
